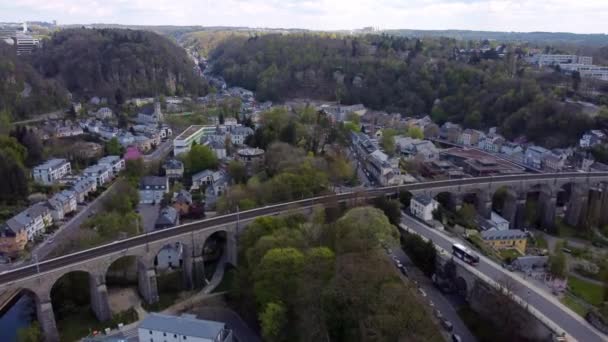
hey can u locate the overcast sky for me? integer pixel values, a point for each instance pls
(587, 16)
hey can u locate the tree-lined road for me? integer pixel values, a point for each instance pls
(569, 321)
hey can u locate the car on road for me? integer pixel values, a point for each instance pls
(422, 292)
(438, 314)
(51, 240)
(447, 325)
(456, 338)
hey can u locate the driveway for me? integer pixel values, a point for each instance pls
(148, 214)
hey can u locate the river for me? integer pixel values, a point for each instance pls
(18, 316)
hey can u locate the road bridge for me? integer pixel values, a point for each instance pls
(39, 278)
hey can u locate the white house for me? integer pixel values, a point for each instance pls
(169, 257)
(498, 221)
(592, 138)
(186, 328)
(100, 173)
(152, 189)
(422, 207)
(104, 113)
(51, 171)
(114, 163)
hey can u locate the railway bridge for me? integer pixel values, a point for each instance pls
(38, 279)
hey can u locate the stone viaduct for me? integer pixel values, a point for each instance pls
(40, 285)
(96, 261)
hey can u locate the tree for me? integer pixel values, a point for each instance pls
(113, 147)
(422, 253)
(557, 263)
(576, 80)
(134, 170)
(237, 171)
(13, 186)
(467, 214)
(274, 322)
(363, 229)
(5, 122)
(200, 158)
(390, 208)
(388, 140)
(415, 132)
(275, 277)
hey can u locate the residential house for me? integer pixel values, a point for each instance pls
(450, 132)
(470, 137)
(499, 222)
(62, 204)
(182, 201)
(422, 206)
(552, 162)
(165, 328)
(511, 148)
(103, 113)
(506, 239)
(592, 138)
(83, 188)
(170, 257)
(51, 171)
(68, 131)
(13, 239)
(174, 169)
(101, 173)
(534, 156)
(152, 189)
(492, 143)
(114, 163)
(220, 183)
(218, 148)
(167, 217)
(238, 134)
(202, 179)
(423, 150)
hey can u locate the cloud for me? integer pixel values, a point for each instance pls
(500, 15)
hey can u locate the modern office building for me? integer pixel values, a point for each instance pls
(183, 142)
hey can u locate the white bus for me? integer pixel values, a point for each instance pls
(465, 254)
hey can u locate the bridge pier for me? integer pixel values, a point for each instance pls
(194, 271)
(603, 219)
(46, 318)
(148, 288)
(99, 297)
(548, 202)
(595, 206)
(484, 204)
(231, 248)
(514, 210)
(577, 205)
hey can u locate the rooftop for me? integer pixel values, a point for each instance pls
(153, 181)
(51, 164)
(508, 234)
(250, 152)
(184, 325)
(423, 199)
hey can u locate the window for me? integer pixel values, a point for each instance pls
(174, 335)
(150, 332)
(165, 334)
(184, 337)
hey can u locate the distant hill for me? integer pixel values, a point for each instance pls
(23, 92)
(117, 63)
(530, 37)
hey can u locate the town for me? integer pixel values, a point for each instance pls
(150, 201)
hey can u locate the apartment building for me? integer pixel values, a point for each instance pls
(51, 171)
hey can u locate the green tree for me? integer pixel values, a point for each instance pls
(363, 229)
(423, 253)
(113, 147)
(388, 140)
(200, 158)
(557, 263)
(415, 132)
(134, 170)
(275, 279)
(274, 322)
(237, 171)
(390, 208)
(5, 122)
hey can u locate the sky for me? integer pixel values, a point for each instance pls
(588, 16)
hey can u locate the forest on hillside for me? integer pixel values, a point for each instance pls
(23, 92)
(409, 76)
(116, 63)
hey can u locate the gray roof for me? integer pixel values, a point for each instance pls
(183, 197)
(202, 174)
(187, 326)
(167, 216)
(173, 164)
(423, 199)
(154, 181)
(503, 234)
(51, 164)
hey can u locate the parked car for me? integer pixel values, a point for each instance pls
(422, 292)
(456, 338)
(447, 325)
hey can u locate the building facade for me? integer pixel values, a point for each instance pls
(51, 171)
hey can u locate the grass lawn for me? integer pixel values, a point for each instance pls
(80, 324)
(478, 325)
(509, 254)
(590, 292)
(573, 304)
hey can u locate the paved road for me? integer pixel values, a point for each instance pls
(573, 324)
(446, 305)
(160, 152)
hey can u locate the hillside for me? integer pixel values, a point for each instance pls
(23, 92)
(406, 75)
(203, 42)
(117, 63)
